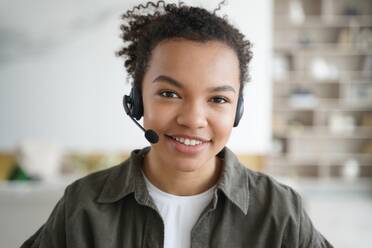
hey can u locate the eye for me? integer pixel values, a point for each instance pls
(219, 100)
(168, 94)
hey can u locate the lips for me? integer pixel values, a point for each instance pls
(190, 145)
(189, 140)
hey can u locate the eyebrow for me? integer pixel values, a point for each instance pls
(168, 80)
(178, 84)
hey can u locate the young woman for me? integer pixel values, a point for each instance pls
(187, 189)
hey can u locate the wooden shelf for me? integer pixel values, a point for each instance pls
(310, 81)
(324, 22)
(344, 77)
(283, 105)
(314, 159)
(323, 132)
(323, 49)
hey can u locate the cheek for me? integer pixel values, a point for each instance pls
(222, 124)
(150, 112)
(150, 115)
(156, 115)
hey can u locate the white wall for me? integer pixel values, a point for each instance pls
(60, 80)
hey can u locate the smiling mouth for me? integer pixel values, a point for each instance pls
(188, 141)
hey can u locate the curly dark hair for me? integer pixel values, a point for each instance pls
(145, 26)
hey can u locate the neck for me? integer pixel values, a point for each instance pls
(183, 183)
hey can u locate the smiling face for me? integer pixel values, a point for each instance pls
(190, 92)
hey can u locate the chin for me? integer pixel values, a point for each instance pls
(189, 164)
(187, 167)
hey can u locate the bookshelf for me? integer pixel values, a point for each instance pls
(322, 89)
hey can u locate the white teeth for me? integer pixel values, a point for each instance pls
(188, 142)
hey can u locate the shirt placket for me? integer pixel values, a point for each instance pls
(200, 231)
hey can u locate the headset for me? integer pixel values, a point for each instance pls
(133, 107)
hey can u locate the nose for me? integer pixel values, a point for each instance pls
(192, 115)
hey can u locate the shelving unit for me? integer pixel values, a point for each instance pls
(322, 89)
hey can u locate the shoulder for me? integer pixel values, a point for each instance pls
(88, 188)
(260, 180)
(267, 192)
(255, 191)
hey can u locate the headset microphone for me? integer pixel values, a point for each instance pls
(150, 134)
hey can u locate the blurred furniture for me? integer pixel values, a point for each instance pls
(322, 89)
(7, 161)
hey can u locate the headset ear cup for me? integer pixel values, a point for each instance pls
(137, 107)
(239, 111)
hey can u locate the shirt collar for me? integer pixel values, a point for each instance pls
(127, 178)
(234, 180)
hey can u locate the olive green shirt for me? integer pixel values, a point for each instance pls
(113, 208)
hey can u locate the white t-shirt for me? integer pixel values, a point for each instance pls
(179, 214)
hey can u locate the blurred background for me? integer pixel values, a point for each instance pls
(307, 120)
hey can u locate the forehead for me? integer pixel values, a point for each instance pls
(195, 63)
